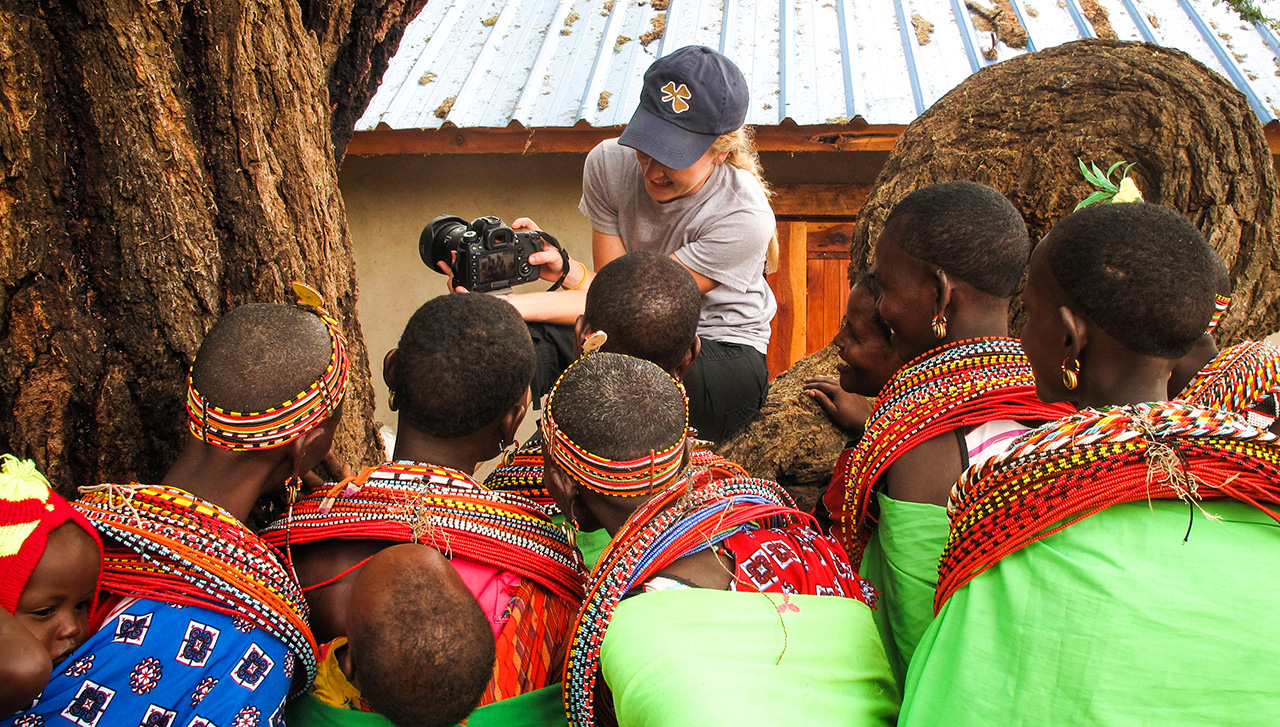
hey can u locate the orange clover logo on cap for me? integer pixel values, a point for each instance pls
(677, 96)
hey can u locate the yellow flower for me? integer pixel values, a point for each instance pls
(1128, 192)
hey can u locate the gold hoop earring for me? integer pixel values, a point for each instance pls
(391, 400)
(1071, 373)
(939, 325)
(508, 451)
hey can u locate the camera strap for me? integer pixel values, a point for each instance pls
(564, 256)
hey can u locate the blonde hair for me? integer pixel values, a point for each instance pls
(739, 148)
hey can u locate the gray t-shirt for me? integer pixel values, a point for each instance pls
(722, 232)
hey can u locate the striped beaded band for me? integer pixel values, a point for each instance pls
(241, 431)
(620, 478)
(1220, 304)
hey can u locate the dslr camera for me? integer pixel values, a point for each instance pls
(490, 255)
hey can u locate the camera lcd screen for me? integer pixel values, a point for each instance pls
(498, 266)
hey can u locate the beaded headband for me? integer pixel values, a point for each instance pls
(619, 478)
(1220, 304)
(244, 431)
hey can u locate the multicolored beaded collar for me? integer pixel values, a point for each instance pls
(415, 502)
(1070, 469)
(244, 431)
(965, 383)
(687, 516)
(166, 544)
(620, 478)
(1237, 380)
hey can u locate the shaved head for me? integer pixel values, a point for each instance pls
(258, 356)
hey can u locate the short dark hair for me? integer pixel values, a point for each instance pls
(463, 361)
(648, 304)
(618, 407)
(1142, 272)
(871, 283)
(261, 355)
(423, 652)
(969, 230)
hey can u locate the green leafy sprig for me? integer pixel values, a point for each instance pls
(1106, 188)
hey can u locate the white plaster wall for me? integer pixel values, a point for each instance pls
(389, 200)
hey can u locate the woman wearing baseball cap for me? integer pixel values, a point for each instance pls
(683, 180)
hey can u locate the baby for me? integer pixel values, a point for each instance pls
(50, 558)
(419, 649)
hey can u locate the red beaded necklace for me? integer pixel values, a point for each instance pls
(966, 383)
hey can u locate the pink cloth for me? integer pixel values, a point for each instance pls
(493, 588)
(994, 437)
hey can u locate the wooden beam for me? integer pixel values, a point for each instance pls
(789, 288)
(829, 241)
(580, 139)
(812, 201)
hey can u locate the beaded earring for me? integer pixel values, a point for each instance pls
(1071, 373)
(570, 528)
(391, 400)
(939, 325)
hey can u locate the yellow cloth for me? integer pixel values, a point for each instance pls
(332, 686)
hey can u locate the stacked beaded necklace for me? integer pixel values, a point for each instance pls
(244, 431)
(1236, 379)
(692, 514)
(413, 502)
(521, 474)
(1066, 471)
(165, 544)
(966, 383)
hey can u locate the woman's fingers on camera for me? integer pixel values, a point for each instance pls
(524, 223)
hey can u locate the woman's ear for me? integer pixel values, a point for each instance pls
(511, 421)
(690, 358)
(389, 369)
(944, 291)
(1075, 333)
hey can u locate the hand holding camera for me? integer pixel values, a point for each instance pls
(486, 254)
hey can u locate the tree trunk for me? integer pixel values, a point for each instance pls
(1020, 126)
(162, 163)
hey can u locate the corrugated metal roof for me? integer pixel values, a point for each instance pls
(554, 63)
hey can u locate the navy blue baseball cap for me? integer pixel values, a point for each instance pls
(690, 97)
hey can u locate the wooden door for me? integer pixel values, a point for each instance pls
(811, 285)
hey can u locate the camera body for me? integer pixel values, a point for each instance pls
(490, 255)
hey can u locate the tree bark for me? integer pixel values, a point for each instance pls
(1020, 126)
(162, 163)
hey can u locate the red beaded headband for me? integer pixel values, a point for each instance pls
(620, 478)
(241, 431)
(1220, 303)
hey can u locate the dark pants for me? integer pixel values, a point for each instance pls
(726, 386)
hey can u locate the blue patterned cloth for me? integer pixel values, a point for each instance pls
(162, 665)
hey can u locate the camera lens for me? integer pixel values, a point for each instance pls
(440, 239)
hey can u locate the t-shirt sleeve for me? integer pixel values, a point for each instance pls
(596, 205)
(731, 250)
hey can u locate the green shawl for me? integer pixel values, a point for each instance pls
(1113, 621)
(901, 561)
(706, 657)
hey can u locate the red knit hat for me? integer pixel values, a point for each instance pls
(29, 511)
